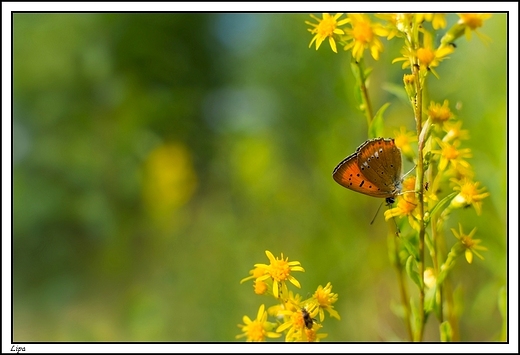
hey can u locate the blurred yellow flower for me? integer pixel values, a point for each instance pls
(470, 245)
(403, 140)
(451, 154)
(471, 22)
(454, 132)
(437, 19)
(169, 179)
(439, 113)
(469, 194)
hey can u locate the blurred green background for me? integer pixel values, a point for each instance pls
(157, 156)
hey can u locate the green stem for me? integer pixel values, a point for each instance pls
(405, 300)
(435, 258)
(361, 82)
(420, 185)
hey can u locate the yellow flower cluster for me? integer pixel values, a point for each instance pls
(294, 317)
(357, 32)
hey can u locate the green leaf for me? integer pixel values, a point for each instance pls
(443, 202)
(410, 248)
(367, 72)
(502, 307)
(356, 71)
(445, 331)
(358, 96)
(396, 90)
(412, 273)
(376, 128)
(425, 132)
(429, 300)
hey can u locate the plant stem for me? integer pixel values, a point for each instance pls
(365, 105)
(420, 184)
(405, 300)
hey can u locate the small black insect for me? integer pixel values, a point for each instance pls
(307, 319)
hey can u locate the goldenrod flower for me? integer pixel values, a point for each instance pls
(363, 36)
(467, 23)
(397, 23)
(469, 194)
(454, 132)
(406, 204)
(403, 140)
(279, 270)
(255, 273)
(297, 321)
(429, 57)
(439, 113)
(260, 287)
(437, 19)
(324, 297)
(258, 329)
(312, 335)
(451, 154)
(469, 244)
(471, 22)
(290, 303)
(326, 27)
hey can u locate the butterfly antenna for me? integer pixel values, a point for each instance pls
(409, 171)
(373, 219)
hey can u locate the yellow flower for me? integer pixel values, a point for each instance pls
(471, 22)
(312, 335)
(326, 27)
(469, 244)
(396, 23)
(279, 270)
(363, 36)
(406, 204)
(299, 319)
(469, 194)
(258, 329)
(426, 56)
(467, 23)
(429, 57)
(454, 132)
(439, 113)
(450, 154)
(438, 20)
(324, 297)
(403, 140)
(289, 303)
(261, 287)
(255, 273)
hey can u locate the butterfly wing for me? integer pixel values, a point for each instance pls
(380, 162)
(349, 175)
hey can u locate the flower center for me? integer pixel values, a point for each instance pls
(280, 270)
(327, 27)
(425, 55)
(472, 21)
(362, 32)
(450, 152)
(255, 331)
